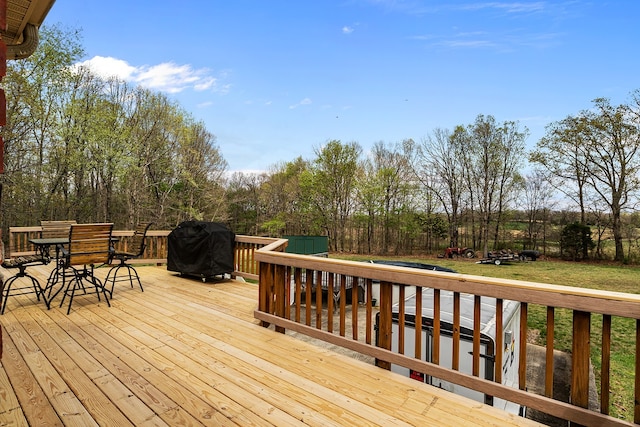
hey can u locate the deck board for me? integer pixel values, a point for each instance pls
(185, 352)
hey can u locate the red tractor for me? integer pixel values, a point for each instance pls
(458, 252)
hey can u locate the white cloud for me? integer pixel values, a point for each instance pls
(347, 30)
(166, 77)
(305, 101)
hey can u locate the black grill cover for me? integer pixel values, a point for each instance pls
(199, 248)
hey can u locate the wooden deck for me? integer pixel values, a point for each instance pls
(191, 353)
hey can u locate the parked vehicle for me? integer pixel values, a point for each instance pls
(375, 291)
(458, 252)
(351, 282)
(510, 348)
(528, 254)
(419, 265)
(505, 256)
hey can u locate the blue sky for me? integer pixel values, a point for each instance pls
(274, 80)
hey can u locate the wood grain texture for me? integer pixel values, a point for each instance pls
(191, 353)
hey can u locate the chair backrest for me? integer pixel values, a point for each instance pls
(53, 229)
(89, 243)
(139, 238)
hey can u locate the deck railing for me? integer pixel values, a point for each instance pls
(155, 251)
(283, 277)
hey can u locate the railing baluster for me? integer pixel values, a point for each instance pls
(308, 286)
(354, 307)
(455, 356)
(500, 344)
(549, 364)
(475, 371)
(280, 302)
(605, 365)
(369, 309)
(343, 304)
(401, 318)
(522, 359)
(435, 353)
(297, 278)
(418, 324)
(264, 290)
(318, 283)
(330, 300)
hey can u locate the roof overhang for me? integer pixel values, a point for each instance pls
(24, 18)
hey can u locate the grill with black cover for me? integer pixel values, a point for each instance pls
(200, 248)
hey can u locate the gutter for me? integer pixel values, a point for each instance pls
(30, 39)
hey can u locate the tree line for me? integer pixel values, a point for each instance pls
(83, 147)
(79, 146)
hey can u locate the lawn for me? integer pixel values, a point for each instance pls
(587, 275)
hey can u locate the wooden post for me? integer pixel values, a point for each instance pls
(265, 282)
(386, 321)
(580, 359)
(279, 287)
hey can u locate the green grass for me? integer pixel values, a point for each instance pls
(594, 276)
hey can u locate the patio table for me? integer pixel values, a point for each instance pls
(43, 245)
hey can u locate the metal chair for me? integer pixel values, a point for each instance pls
(89, 245)
(53, 229)
(135, 250)
(21, 263)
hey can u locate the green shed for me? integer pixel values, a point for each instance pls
(308, 245)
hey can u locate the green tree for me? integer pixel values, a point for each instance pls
(576, 241)
(598, 149)
(330, 185)
(282, 198)
(492, 157)
(562, 153)
(36, 91)
(439, 168)
(613, 141)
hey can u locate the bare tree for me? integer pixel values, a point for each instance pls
(562, 152)
(613, 140)
(492, 158)
(438, 167)
(537, 200)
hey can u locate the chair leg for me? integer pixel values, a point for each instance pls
(113, 274)
(135, 274)
(77, 282)
(4, 295)
(5, 290)
(65, 290)
(113, 270)
(97, 284)
(100, 287)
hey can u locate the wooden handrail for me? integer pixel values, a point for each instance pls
(282, 285)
